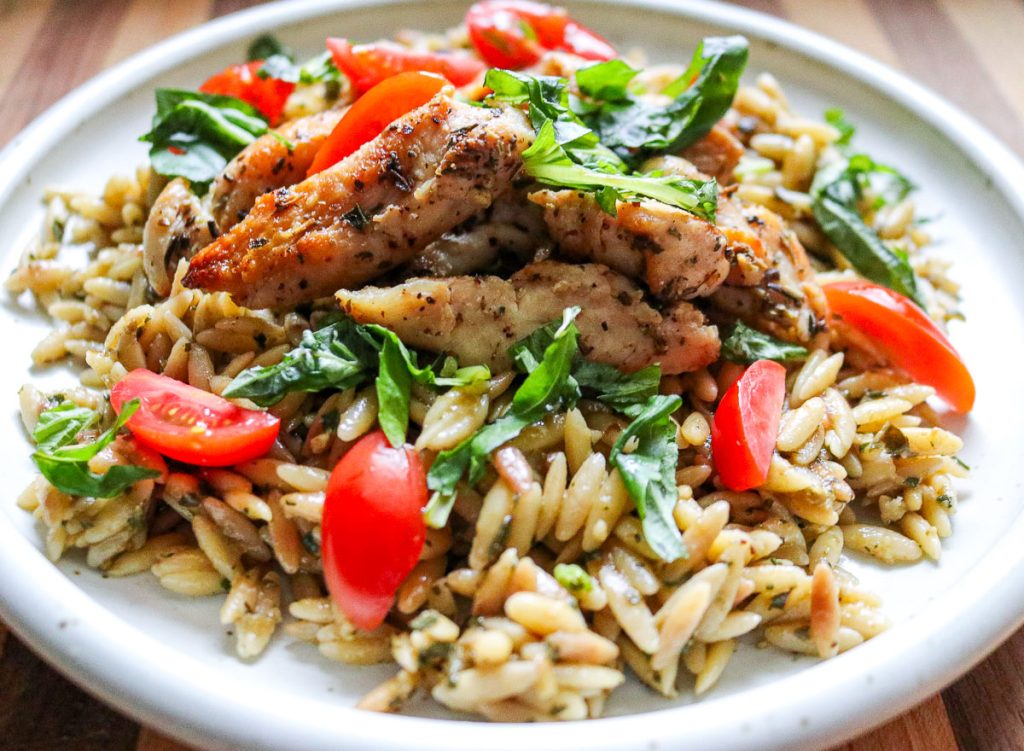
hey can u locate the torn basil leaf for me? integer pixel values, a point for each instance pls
(649, 473)
(267, 46)
(65, 465)
(194, 135)
(746, 345)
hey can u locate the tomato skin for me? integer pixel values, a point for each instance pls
(268, 95)
(746, 424)
(193, 426)
(373, 530)
(516, 33)
(906, 336)
(374, 111)
(366, 65)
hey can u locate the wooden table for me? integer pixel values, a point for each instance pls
(972, 51)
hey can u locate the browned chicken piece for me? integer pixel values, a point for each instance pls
(268, 164)
(678, 255)
(177, 227)
(511, 230)
(716, 154)
(477, 318)
(425, 174)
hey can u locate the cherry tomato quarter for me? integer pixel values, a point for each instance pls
(746, 424)
(906, 336)
(374, 111)
(373, 529)
(193, 426)
(366, 65)
(268, 95)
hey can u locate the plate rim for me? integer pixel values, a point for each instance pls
(103, 645)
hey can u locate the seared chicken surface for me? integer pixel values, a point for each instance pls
(177, 226)
(268, 164)
(677, 254)
(425, 174)
(477, 318)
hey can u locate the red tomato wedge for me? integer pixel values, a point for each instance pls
(268, 95)
(373, 530)
(906, 336)
(515, 33)
(366, 65)
(746, 424)
(191, 425)
(374, 111)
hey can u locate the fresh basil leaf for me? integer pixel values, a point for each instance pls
(747, 345)
(636, 129)
(267, 46)
(60, 425)
(837, 119)
(397, 372)
(194, 135)
(335, 356)
(318, 69)
(548, 388)
(65, 465)
(606, 81)
(547, 162)
(649, 473)
(863, 248)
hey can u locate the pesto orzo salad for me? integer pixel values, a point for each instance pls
(502, 356)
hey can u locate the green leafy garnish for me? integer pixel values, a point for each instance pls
(636, 129)
(267, 46)
(344, 354)
(649, 473)
(548, 388)
(573, 578)
(319, 68)
(837, 119)
(747, 345)
(549, 163)
(837, 193)
(194, 135)
(568, 154)
(66, 465)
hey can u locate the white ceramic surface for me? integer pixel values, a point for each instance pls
(167, 662)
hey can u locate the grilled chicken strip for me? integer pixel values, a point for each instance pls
(177, 226)
(268, 164)
(677, 254)
(476, 319)
(716, 154)
(425, 174)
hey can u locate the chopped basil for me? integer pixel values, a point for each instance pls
(607, 81)
(649, 473)
(318, 69)
(573, 578)
(267, 46)
(837, 119)
(836, 195)
(66, 465)
(194, 135)
(344, 354)
(636, 129)
(549, 163)
(747, 345)
(568, 154)
(549, 387)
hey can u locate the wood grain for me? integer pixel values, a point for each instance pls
(970, 51)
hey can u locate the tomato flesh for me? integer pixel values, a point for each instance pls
(372, 531)
(374, 111)
(268, 95)
(906, 336)
(193, 426)
(746, 424)
(366, 65)
(516, 33)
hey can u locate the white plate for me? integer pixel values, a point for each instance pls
(167, 662)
